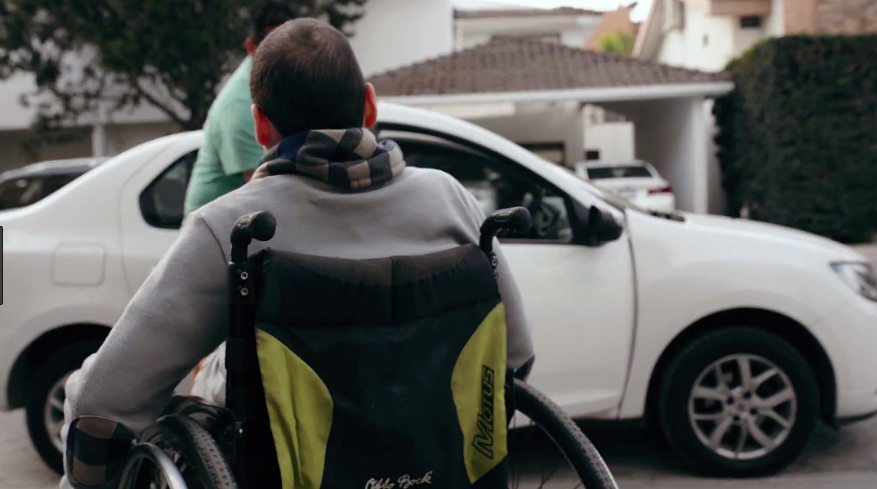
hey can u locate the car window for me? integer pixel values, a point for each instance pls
(496, 185)
(20, 192)
(162, 201)
(625, 171)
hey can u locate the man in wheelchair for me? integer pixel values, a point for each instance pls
(363, 369)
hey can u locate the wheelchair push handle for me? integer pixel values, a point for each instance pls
(514, 219)
(257, 225)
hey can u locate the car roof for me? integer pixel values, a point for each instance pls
(70, 166)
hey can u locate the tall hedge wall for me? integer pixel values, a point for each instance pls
(798, 136)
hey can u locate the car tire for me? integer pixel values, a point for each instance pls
(47, 378)
(705, 426)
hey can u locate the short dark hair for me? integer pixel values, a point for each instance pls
(271, 15)
(305, 76)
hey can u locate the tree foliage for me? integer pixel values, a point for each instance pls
(619, 42)
(90, 55)
(798, 135)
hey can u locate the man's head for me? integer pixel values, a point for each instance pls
(268, 17)
(305, 76)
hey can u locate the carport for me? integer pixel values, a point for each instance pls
(534, 93)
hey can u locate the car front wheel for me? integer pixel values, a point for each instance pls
(738, 401)
(45, 404)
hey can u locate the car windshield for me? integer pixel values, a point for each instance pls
(620, 171)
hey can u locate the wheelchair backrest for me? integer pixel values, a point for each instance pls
(381, 374)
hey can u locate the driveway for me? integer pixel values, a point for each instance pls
(844, 459)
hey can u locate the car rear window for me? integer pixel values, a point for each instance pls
(626, 171)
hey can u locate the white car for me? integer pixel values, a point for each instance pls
(636, 181)
(733, 337)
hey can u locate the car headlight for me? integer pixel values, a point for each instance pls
(859, 276)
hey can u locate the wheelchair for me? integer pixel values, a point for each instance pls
(383, 374)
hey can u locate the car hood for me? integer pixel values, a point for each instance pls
(760, 232)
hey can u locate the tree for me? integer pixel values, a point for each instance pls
(89, 55)
(619, 42)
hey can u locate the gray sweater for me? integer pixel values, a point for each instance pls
(180, 313)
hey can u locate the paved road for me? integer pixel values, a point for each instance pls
(846, 459)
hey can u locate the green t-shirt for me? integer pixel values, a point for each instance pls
(229, 148)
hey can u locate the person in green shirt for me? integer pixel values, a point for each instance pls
(230, 153)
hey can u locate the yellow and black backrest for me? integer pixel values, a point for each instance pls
(378, 374)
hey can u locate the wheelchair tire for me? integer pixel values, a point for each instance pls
(569, 439)
(203, 465)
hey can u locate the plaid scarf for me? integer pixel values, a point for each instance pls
(350, 159)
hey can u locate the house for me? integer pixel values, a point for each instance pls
(707, 34)
(535, 93)
(565, 25)
(607, 136)
(392, 33)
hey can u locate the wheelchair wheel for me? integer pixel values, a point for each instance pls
(573, 462)
(194, 453)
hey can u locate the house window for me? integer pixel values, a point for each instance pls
(592, 154)
(750, 21)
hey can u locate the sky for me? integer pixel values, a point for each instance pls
(639, 13)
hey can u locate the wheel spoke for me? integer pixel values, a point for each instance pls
(56, 403)
(758, 435)
(763, 377)
(719, 432)
(709, 417)
(785, 395)
(769, 413)
(708, 393)
(745, 372)
(723, 386)
(744, 434)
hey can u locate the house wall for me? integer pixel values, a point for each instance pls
(15, 156)
(122, 137)
(614, 140)
(398, 32)
(708, 42)
(571, 31)
(844, 16)
(546, 125)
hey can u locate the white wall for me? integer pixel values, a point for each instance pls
(564, 125)
(614, 140)
(709, 42)
(672, 135)
(573, 31)
(398, 32)
(775, 23)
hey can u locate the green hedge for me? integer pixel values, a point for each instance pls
(798, 135)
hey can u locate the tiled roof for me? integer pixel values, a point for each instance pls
(521, 12)
(514, 65)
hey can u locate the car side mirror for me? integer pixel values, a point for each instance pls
(596, 226)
